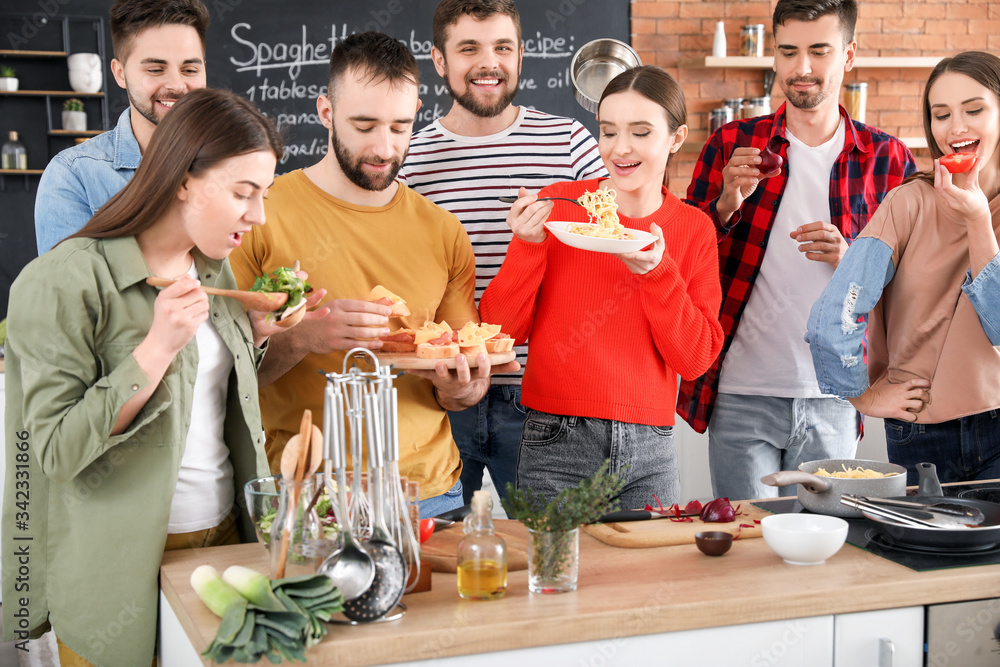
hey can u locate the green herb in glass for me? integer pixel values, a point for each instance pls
(586, 503)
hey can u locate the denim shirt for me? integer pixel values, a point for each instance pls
(81, 179)
(836, 333)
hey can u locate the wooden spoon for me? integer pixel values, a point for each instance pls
(291, 316)
(259, 301)
(293, 451)
(294, 461)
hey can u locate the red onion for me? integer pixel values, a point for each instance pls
(718, 511)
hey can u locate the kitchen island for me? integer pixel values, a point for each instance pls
(633, 606)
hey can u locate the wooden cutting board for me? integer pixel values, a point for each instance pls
(410, 360)
(441, 550)
(664, 532)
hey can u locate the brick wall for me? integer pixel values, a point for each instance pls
(668, 32)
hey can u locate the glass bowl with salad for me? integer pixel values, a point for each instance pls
(262, 497)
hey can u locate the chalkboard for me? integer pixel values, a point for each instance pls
(277, 54)
(279, 59)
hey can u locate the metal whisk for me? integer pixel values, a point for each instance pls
(397, 504)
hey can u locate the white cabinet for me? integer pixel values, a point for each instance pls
(884, 638)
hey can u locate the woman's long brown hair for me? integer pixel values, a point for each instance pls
(984, 68)
(654, 84)
(204, 127)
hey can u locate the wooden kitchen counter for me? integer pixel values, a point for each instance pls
(622, 592)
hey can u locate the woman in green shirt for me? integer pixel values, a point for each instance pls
(107, 378)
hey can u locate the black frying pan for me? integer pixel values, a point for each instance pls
(985, 535)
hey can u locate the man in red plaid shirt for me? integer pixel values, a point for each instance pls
(782, 233)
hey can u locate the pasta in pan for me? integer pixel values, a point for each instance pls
(603, 212)
(853, 473)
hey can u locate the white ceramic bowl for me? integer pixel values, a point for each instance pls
(804, 539)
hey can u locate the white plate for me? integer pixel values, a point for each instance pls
(638, 241)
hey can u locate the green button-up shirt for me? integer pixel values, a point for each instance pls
(85, 513)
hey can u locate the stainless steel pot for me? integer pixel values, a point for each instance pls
(594, 65)
(822, 494)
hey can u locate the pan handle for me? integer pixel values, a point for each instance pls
(929, 485)
(811, 483)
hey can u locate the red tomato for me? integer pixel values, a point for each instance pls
(426, 529)
(958, 163)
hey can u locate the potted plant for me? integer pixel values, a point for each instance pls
(554, 527)
(8, 78)
(74, 118)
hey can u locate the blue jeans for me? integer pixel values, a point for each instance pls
(752, 436)
(559, 452)
(447, 501)
(488, 435)
(962, 449)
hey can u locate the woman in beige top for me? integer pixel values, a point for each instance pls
(927, 270)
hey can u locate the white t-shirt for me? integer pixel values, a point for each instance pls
(204, 494)
(768, 356)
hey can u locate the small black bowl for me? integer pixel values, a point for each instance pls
(713, 542)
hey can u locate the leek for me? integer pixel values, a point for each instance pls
(217, 595)
(260, 618)
(254, 586)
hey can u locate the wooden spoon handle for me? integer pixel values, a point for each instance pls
(305, 433)
(263, 301)
(156, 281)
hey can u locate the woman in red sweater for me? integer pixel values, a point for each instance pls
(610, 333)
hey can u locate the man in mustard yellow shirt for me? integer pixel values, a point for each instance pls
(352, 226)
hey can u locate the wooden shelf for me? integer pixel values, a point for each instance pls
(52, 93)
(20, 172)
(74, 133)
(18, 53)
(766, 62)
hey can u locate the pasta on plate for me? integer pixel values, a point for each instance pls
(603, 212)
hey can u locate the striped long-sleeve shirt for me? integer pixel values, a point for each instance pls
(466, 175)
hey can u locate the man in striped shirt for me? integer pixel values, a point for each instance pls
(485, 148)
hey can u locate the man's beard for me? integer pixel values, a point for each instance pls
(351, 165)
(801, 100)
(146, 112)
(469, 102)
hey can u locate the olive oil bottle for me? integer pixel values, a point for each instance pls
(482, 554)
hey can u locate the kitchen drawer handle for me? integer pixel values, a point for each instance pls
(886, 652)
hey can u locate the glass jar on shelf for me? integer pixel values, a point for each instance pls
(719, 117)
(13, 154)
(856, 100)
(757, 106)
(736, 104)
(752, 40)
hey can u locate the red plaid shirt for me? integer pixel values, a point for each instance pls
(871, 164)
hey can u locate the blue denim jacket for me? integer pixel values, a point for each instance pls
(81, 179)
(835, 336)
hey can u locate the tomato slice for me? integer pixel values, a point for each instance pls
(426, 529)
(958, 163)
